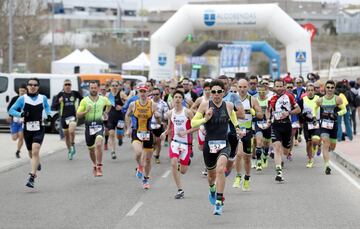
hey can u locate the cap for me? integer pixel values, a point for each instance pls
(142, 86)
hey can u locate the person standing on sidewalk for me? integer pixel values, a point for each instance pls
(331, 106)
(67, 100)
(92, 108)
(16, 124)
(31, 106)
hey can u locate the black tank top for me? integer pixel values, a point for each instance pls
(115, 100)
(33, 109)
(217, 127)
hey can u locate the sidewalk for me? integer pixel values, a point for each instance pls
(347, 153)
(50, 145)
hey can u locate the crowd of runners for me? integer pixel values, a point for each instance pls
(238, 124)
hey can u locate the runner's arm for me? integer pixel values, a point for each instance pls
(16, 107)
(168, 114)
(198, 118)
(81, 111)
(256, 109)
(129, 112)
(190, 115)
(46, 106)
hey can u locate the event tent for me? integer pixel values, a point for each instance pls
(140, 63)
(79, 62)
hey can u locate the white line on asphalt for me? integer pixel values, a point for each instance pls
(347, 176)
(166, 174)
(135, 208)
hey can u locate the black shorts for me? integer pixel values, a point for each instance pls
(233, 142)
(266, 133)
(210, 159)
(158, 132)
(91, 136)
(65, 123)
(31, 137)
(246, 142)
(332, 134)
(281, 132)
(113, 124)
(146, 144)
(308, 134)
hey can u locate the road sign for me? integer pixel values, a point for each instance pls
(300, 57)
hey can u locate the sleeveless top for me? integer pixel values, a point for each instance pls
(217, 126)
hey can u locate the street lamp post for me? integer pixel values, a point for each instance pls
(10, 38)
(53, 54)
(142, 26)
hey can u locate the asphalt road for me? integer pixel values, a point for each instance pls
(66, 195)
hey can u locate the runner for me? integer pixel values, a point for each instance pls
(281, 106)
(92, 108)
(16, 124)
(180, 146)
(262, 130)
(330, 106)
(244, 151)
(115, 117)
(295, 125)
(142, 137)
(103, 91)
(157, 125)
(310, 123)
(31, 106)
(216, 148)
(68, 101)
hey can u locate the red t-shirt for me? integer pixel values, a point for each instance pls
(284, 102)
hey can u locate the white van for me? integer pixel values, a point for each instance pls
(50, 86)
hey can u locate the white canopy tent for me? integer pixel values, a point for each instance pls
(140, 63)
(79, 62)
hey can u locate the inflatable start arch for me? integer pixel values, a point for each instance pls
(229, 17)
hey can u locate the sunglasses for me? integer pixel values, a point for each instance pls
(252, 83)
(290, 87)
(114, 85)
(156, 94)
(217, 91)
(142, 91)
(173, 88)
(233, 91)
(317, 87)
(330, 87)
(33, 85)
(67, 84)
(298, 82)
(265, 84)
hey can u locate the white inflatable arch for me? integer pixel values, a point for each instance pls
(229, 17)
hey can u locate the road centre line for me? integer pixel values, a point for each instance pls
(166, 174)
(135, 208)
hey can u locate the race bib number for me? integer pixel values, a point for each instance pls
(95, 129)
(243, 130)
(262, 125)
(143, 135)
(33, 126)
(69, 119)
(295, 125)
(311, 126)
(120, 124)
(17, 119)
(155, 126)
(278, 115)
(216, 145)
(327, 124)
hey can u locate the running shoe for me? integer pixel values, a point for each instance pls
(99, 172)
(146, 183)
(70, 155)
(264, 162)
(113, 155)
(105, 146)
(212, 194)
(246, 185)
(289, 157)
(259, 165)
(139, 173)
(73, 150)
(227, 172)
(179, 195)
(237, 181)
(318, 153)
(299, 138)
(310, 163)
(157, 159)
(17, 154)
(272, 155)
(120, 142)
(327, 170)
(204, 173)
(31, 181)
(279, 176)
(39, 167)
(253, 163)
(218, 208)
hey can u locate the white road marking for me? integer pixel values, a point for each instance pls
(166, 174)
(347, 176)
(135, 208)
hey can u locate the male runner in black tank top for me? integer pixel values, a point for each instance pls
(216, 147)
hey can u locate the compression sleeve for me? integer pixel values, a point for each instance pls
(197, 120)
(233, 118)
(17, 106)
(342, 109)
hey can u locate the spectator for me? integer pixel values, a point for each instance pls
(355, 105)
(287, 78)
(299, 90)
(343, 92)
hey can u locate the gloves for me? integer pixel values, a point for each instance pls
(48, 119)
(24, 114)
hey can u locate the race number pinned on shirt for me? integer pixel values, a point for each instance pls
(179, 149)
(216, 145)
(33, 126)
(69, 119)
(278, 115)
(93, 129)
(311, 126)
(295, 125)
(327, 124)
(120, 124)
(143, 135)
(262, 124)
